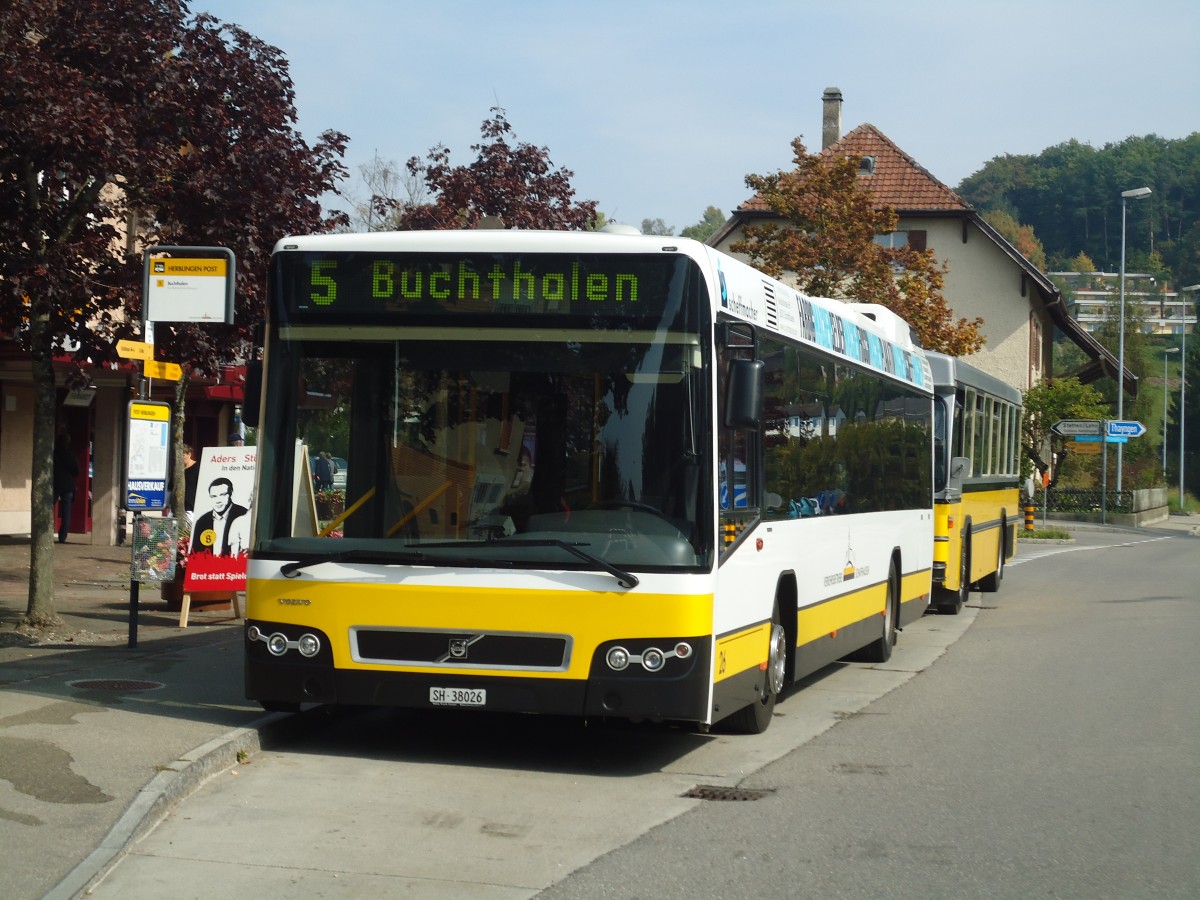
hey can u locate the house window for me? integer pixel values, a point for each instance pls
(894, 240)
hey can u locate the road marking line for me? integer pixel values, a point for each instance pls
(1043, 553)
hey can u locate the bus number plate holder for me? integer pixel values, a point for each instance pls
(447, 696)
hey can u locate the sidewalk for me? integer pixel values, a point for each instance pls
(1188, 524)
(98, 740)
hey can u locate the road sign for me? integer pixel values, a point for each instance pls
(168, 370)
(1071, 427)
(135, 350)
(1101, 439)
(1126, 429)
(1086, 447)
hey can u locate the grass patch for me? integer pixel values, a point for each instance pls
(1044, 534)
(1190, 505)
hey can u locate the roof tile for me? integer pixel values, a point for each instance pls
(898, 180)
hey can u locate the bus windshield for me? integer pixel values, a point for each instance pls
(488, 446)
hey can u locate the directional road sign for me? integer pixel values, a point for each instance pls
(1120, 428)
(1101, 439)
(1072, 427)
(135, 350)
(168, 370)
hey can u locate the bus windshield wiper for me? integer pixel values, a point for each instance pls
(575, 548)
(290, 569)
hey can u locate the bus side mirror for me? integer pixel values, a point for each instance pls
(744, 394)
(252, 390)
(960, 468)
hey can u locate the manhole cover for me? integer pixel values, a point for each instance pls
(115, 684)
(712, 792)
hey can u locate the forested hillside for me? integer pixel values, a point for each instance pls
(1071, 196)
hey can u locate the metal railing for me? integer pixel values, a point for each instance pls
(1073, 500)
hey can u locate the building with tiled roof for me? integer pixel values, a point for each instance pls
(987, 277)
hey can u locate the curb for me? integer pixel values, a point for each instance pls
(175, 782)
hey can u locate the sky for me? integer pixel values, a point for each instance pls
(661, 108)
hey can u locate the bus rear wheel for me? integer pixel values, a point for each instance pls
(755, 718)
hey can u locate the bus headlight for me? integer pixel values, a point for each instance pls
(253, 633)
(653, 659)
(618, 659)
(277, 643)
(309, 645)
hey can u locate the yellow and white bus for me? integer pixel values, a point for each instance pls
(579, 472)
(977, 502)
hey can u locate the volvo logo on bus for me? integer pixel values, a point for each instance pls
(458, 648)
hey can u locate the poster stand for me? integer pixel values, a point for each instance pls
(234, 598)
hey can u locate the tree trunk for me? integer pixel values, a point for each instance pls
(41, 611)
(177, 421)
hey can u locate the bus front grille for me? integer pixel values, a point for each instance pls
(460, 649)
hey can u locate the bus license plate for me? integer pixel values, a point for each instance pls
(442, 696)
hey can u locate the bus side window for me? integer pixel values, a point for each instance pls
(739, 399)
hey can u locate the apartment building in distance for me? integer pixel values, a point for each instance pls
(1164, 310)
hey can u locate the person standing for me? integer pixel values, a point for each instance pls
(191, 477)
(66, 472)
(323, 474)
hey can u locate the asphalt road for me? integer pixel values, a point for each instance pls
(1050, 749)
(1053, 752)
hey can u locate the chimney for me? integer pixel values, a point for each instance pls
(831, 118)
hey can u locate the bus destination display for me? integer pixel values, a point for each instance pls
(338, 284)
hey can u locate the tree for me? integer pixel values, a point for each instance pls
(518, 185)
(827, 244)
(246, 179)
(1020, 236)
(1139, 458)
(120, 118)
(1080, 262)
(390, 191)
(1071, 195)
(658, 227)
(712, 219)
(1047, 402)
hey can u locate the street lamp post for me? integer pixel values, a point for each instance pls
(1168, 352)
(1183, 388)
(1135, 194)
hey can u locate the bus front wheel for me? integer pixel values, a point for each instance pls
(755, 718)
(880, 650)
(990, 583)
(950, 603)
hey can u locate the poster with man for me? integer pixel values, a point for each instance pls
(221, 529)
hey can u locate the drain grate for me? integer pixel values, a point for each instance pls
(713, 792)
(115, 685)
